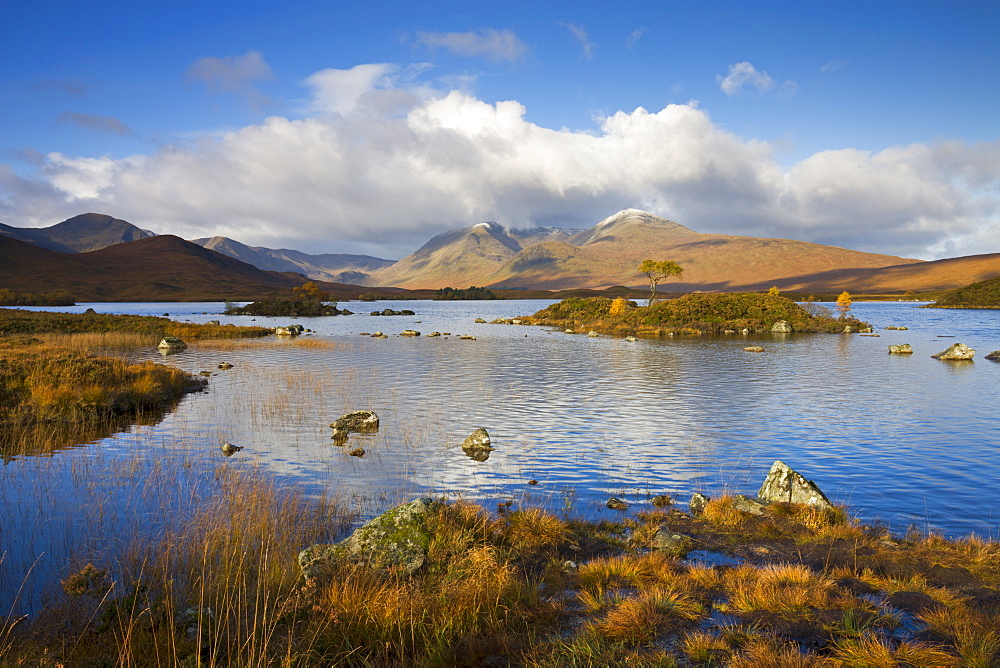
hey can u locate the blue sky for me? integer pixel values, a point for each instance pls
(367, 127)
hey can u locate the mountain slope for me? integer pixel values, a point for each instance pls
(157, 268)
(609, 254)
(83, 233)
(336, 267)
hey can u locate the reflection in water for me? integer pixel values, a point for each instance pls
(46, 438)
(901, 439)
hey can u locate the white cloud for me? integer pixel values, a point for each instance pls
(742, 75)
(95, 122)
(399, 161)
(499, 45)
(233, 74)
(581, 36)
(634, 37)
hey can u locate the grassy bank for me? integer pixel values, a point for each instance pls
(690, 314)
(520, 587)
(61, 373)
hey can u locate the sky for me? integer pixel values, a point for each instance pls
(368, 127)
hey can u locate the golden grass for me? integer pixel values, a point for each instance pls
(787, 589)
(874, 652)
(976, 635)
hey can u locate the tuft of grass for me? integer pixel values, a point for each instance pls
(787, 589)
(976, 635)
(875, 651)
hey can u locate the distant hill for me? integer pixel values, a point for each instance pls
(982, 294)
(338, 268)
(609, 253)
(80, 234)
(159, 268)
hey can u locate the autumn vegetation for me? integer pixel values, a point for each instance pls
(984, 294)
(53, 298)
(307, 300)
(710, 313)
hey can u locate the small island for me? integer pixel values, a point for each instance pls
(697, 313)
(307, 300)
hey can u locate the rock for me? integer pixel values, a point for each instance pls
(677, 544)
(171, 344)
(434, 334)
(213, 322)
(956, 351)
(395, 541)
(592, 334)
(754, 349)
(286, 331)
(569, 331)
(204, 373)
(410, 332)
(994, 356)
(480, 321)
(781, 327)
(614, 503)
(697, 503)
(847, 329)
(515, 321)
(360, 422)
(745, 504)
(901, 349)
(631, 338)
(896, 327)
(466, 337)
(225, 366)
(477, 445)
(194, 385)
(357, 452)
(662, 501)
(377, 335)
(787, 486)
(228, 449)
(532, 482)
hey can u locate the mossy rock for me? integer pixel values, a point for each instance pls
(396, 542)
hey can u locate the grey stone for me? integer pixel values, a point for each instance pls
(676, 544)
(956, 351)
(395, 541)
(592, 334)
(847, 329)
(754, 349)
(171, 343)
(901, 349)
(410, 332)
(480, 321)
(781, 327)
(631, 338)
(745, 504)
(225, 366)
(697, 503)
(994, 356)
(286, 331)
(787, 486)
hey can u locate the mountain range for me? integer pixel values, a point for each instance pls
(99, 257)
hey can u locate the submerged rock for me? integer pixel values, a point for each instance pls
(225, 366)
(361, 422)
(677, 544)
(614, 503)
(994, 356)
(228, 449)
(410, 332)
(395, 541)
(631, 338)
(754, 349)
(901, 349)
(956, 351)
(477, 445)
(787, 486)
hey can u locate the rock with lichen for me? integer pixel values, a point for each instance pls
(394, 542)
(785, 485)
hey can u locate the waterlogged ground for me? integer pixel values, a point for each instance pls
(902, 440)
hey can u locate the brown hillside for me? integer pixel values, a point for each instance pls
(161, 268)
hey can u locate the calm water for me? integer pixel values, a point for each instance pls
(904, 440)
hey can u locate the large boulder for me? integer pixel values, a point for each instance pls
(394, 542)
(171, 344)
(956, 351)
(787, 486)
(360, 422)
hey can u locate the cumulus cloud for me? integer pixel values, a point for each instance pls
(580, 34)
(94, 122)
(742, 75)
(233, 74)
(385, 161)
(498, 45)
